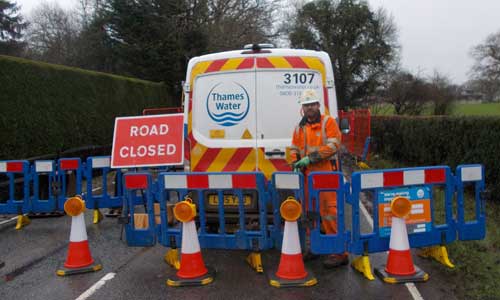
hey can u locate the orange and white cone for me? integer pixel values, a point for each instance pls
(291, 270)
(79, 260)
(192, 269)
(400, 267)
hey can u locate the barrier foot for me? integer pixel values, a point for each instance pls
(172, 258)
(439, 253)
(362, 265)
(362, 165)
(22, 220)
(255, 261)
(97, 216)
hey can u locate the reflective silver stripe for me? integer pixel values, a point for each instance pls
(313, 149)
(305, 142)
(333, 140)
(329, 218)
(323, 129)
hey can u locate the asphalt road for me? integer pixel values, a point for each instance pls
(33, 254)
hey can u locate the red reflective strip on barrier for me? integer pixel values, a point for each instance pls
(247, 63)
(136, 181)
(393, 178)
(244, 181)
(263, 62)
(14, 166)
(197, 181)
(296, 62)
(435, 176)
(70, 164)
(216, 65)
(326, 181)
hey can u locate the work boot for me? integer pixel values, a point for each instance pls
(114, 212)
(335, 260)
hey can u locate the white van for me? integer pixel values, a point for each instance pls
(241, 107)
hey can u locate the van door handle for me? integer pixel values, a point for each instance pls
(275, 152)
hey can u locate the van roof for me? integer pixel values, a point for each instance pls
(264, 53)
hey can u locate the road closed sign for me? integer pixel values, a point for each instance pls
(156, 140)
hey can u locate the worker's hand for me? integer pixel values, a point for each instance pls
(304, 162)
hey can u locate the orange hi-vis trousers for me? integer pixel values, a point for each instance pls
(327, 209)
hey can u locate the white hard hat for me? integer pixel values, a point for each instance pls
(308, 96)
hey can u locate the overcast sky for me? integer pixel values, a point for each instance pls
(434, 34)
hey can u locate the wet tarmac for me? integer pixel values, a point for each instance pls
(33, 254)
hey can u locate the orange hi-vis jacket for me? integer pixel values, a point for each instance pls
(320, 141)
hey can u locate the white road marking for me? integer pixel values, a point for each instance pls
(9, 220)
(410, 286)
(96, 286)
(414, 291)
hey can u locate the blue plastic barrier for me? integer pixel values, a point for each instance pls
(49, 203)
(414, 183)
(474, 229)
(102, 199)
(14, 204)
(66, 167)
(322, 182)
(200, 184)
(139, 185)
(284, 184)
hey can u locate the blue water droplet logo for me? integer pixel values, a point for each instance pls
(228, 103)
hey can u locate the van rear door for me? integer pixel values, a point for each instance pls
(280, 81)
(223, 116)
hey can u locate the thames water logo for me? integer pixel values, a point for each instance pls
(228, 103)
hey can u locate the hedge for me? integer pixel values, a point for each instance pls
(46, 108)
(418, 141)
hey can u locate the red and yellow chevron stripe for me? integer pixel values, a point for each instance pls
(204, 159)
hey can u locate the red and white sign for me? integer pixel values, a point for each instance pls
(156, 140)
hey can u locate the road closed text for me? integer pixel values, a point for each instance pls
(149, 150)
(148, 141)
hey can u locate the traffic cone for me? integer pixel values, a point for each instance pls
(79, 259)
(291, 270)
(192, 269)
(400, 267)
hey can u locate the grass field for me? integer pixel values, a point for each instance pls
(459, 109)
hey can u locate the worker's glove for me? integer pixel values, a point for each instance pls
(304, 162)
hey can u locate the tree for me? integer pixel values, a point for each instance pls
(234, 23)
(154, 39)
(486, 69)
(442, 93)
(11, 28)
(362, 43)
(407, 93)
(52, 34)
